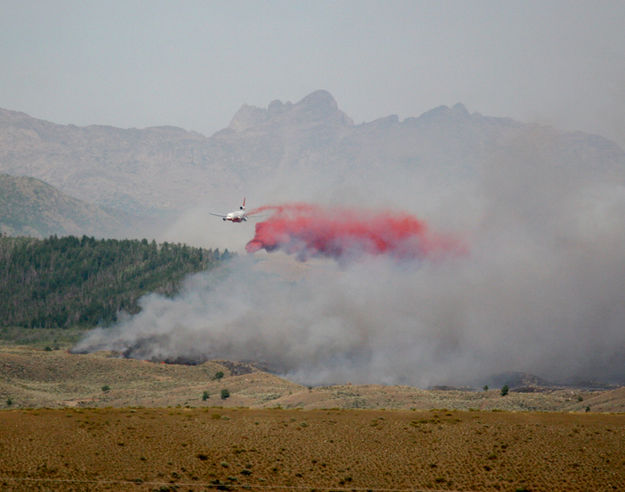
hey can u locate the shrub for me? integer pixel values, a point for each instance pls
(205, 396)
(225, 394)
(218, 375)
(504, 390)
(106, 388)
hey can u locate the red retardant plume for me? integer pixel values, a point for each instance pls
(308, 231)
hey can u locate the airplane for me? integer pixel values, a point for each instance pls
(236, 216)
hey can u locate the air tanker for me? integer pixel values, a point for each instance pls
(236, 216)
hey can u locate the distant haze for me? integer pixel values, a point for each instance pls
(541, 288)
(192, 63)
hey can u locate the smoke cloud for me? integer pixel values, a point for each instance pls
(539, 285)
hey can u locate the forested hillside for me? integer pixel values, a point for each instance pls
(70, 281)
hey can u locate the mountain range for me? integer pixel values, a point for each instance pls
(285, 151)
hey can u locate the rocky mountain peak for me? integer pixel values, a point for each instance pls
(316, 107)
(459, 110)
(320, 100)
(445, 113)
(320, 107)
(248, 117)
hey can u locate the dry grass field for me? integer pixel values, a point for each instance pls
(35, 378)
(99, 422)
(273, 449)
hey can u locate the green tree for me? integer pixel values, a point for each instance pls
(225, 394)
(64, 282)
(504, 390)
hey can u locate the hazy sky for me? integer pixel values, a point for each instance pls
(194, 63)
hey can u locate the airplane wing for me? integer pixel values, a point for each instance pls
(217, 215)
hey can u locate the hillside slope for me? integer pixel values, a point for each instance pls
(30, 207)
(38, 378)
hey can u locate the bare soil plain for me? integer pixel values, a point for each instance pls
(98, 422)
(272, 449)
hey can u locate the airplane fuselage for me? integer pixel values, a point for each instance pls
(237, 216)
(240, 216)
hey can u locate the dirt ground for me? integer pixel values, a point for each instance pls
(274, 449)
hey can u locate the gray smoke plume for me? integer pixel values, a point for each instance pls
(541, 290)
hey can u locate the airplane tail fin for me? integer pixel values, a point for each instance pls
(243, 206)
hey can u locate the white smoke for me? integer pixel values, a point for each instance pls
(541, 290)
